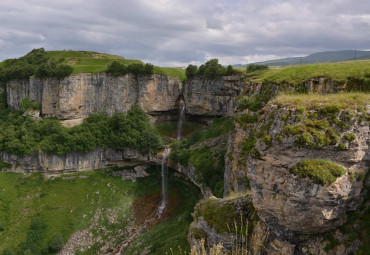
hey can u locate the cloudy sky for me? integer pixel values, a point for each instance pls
(179, 32)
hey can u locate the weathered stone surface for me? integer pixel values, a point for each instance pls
(72, 162)
(298, 204)
(132, 175)
(80, 95)
(216, 97)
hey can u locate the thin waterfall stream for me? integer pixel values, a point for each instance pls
(165, 155)
(181, 119)
(164, 175)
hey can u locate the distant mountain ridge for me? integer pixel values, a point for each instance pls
(326, 56)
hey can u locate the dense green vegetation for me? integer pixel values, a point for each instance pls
(209, 162)
(211, 69)
(23, 135)
(37, 63)
(256, 67)
(118, 69)
(38, 215)
(321, 171)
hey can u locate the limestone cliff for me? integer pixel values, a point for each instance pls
(80, 95)
(295, 209)
(213, 97)
(73, 162)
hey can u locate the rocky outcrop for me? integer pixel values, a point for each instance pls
(234, 225)
(213, 97)
(80, 95)
(73, 162)
(296, 210)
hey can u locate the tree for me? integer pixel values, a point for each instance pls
(116, 69)
(230, 70)
(191, 71)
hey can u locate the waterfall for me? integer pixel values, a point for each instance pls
(181, 119)
(164, 174)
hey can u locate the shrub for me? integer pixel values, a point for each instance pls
(27, 104)
(243, 119)
(56, 243)
(35, 236)
(209, 167)
(256, 67)
(230, 70)
(4, 166)
(116, 69)
(321, 171)
(248, 145)
(350, 136)
(253, 103)
(267, 139)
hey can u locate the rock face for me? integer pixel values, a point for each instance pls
(80, 95)
(296, 210)
(73, 162)
(216, 97)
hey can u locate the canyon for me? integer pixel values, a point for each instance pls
(288, 214)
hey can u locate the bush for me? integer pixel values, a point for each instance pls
(27, 104)
(4, 166)
(116, 69)
(256, 67)
(350, 136)
(56, 243)
(230, 70)
(35, 237)
(253, 103)
(321, 171)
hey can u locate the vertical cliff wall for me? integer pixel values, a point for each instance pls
(213, 97)
(80, 95)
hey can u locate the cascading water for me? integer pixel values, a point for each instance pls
(164, 174)
(181, 119)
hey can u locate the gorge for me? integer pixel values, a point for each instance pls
(291, 167)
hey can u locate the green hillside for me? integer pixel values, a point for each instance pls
(340, 72)
(88, 61)
(59, 64)
(320, 57)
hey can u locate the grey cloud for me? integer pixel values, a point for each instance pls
(180, 32)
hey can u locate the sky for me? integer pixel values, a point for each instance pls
(182, 32)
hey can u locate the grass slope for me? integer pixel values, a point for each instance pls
(69, 203)
(312, 100)
(340, 72)
(88, 61)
